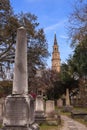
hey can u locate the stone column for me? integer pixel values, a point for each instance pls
(67, 107)
(67, 97)
(17, 113)
(20, 85)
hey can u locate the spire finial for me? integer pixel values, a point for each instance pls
(55, 40)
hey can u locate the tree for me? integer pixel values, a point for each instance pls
(79, 58)
(78, 22)
(52, 84)
(78, 34)
(5, 88)
(45, 79)
(80, 64)
(8, 27)
(37, 44)
(74, 72)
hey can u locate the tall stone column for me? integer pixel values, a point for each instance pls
(17, 112)
(67, 107)
(67, 97)
(20, 85)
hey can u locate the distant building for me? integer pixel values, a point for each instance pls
(55, 56)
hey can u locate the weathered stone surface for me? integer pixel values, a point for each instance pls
(67, 98)
(78, 114)
(39, 104)
(67, 108)
(31, 110)
(50, 108)
(52, 117)
(59, 103)
(20, 85)
(39, 110)
(16, 111)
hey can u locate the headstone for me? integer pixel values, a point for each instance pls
(60, 103)
(50, 107)
(17, 106)
(39, 105)
(39, 109)
(52, 117)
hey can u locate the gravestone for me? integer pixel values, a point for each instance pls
(52, 117)
(39, 109)
(50, 107)
(60, 103)
(17, 111)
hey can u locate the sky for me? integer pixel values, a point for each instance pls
(53, 18)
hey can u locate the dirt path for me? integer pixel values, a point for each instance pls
(70, 124)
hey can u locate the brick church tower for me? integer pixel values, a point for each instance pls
(55, 56)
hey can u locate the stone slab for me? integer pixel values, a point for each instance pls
(50, 106)
(39, 104)
(16, 111)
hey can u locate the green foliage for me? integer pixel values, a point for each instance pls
(37, 49)
(5, 88)
(49, 127)
(79, 58)
(57, 91)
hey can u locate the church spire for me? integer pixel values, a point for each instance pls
(55, 40)
(55, 56)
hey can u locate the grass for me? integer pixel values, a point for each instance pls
(0, 125)
(80, 109)
(49, 127)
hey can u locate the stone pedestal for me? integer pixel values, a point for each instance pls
(67, 107)
(18, 113)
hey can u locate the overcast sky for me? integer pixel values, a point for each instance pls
(53, 18)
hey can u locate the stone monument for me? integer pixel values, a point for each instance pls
(39, 109)
(17, 111)
(59, 103)
(52, 117)
(50, 107)
(67, 107)
(67, 97)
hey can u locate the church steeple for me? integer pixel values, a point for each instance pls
(55, 40)
(55, 56)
